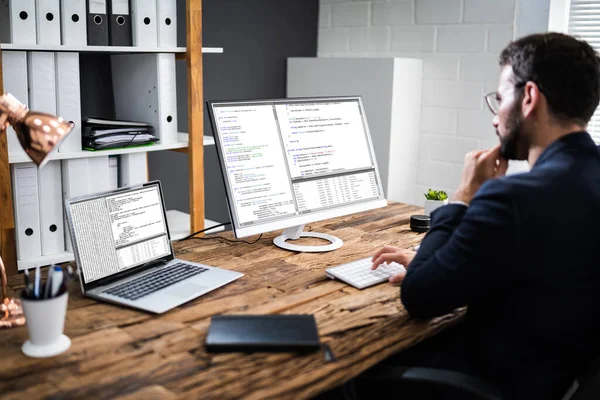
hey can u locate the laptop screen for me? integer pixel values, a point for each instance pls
(117, 232)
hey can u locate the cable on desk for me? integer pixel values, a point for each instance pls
(204, 230)
(229, 240)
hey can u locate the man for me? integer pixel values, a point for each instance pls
(522, 252)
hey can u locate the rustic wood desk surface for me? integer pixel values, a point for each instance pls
(127, 354)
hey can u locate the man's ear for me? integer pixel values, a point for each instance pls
(531, 99)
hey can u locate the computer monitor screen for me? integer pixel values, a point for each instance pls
(289, 162)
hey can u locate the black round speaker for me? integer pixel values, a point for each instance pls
(420, 223)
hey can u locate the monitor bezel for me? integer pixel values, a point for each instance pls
(131, 271)
(241, 232)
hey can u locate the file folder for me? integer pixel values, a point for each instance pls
(68, 96)
(48, 21)
(51, 209)
(27, 211)
(4, 22)
(133, 169)
(113, 172)
(73, 22)
(153, 75)
(167, 23)
(99, 174)
(81, 176)
(97, 23)
(42, 81)
(14, 79)
(22, 21)
(119, 23)
(143, 22)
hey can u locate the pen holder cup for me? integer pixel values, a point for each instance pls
(45, 320)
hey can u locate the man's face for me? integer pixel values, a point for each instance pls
(509, 121)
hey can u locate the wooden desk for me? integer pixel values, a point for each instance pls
(126, 354)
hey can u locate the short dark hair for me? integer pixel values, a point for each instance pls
(566, 70)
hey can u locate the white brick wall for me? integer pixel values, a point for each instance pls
(459, 41)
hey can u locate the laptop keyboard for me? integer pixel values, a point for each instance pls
(147, 284)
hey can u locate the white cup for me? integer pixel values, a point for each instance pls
(45, 321)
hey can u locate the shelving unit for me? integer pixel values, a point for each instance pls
(188, 142)
(101, 49)
(182, 143)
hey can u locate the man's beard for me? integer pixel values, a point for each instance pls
(513, 145)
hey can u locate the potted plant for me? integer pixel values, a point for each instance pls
(435, 199)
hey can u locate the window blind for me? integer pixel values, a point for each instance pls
(584, 23)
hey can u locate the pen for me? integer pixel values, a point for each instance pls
(57, 281)
(27, 283)
(36, 284)
(47, 292)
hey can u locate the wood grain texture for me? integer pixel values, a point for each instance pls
(8, 251)
(7, 222)
(195, 113)
(127, 354)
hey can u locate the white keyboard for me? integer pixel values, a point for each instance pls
(359, 274)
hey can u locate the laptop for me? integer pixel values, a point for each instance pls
(124, 255)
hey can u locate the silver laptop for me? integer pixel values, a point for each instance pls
(124, 254)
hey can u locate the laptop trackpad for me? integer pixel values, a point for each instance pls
(186, 290)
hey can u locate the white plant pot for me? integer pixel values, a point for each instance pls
(431, 205)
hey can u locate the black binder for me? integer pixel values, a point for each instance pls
(119, 23)
(97, 23)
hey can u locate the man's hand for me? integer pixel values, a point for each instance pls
(479, 167)
(389, 254)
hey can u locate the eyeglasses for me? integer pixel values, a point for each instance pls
(492, 102)
(492, 99)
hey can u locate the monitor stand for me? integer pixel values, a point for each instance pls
(295, 232)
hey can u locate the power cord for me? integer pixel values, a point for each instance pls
(217, 237)
(229, 240)
(204, 230)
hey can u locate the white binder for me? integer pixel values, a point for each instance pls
(68, 96)
(81, 176)
(99, 179)
(143, 23)
(42, 81)
(113, 172)
(51, 210)
(48, 21)
(73, 22)
(75, 182)
(153, 75)
(27, 210)
(133, 169)
(14, 77)
(167, 23)
(22, 22)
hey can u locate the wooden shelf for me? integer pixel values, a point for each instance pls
(102, 49)
(181, 144)
(45, 260)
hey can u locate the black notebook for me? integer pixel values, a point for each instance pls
(248, 333)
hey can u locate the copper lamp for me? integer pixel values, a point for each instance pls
(39, 135)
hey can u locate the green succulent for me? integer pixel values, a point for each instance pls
(436, 195)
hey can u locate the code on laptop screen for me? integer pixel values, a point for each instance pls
(119, 232)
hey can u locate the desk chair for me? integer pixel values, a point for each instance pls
(585, 387)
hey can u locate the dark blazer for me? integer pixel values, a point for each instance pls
(524, 258)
